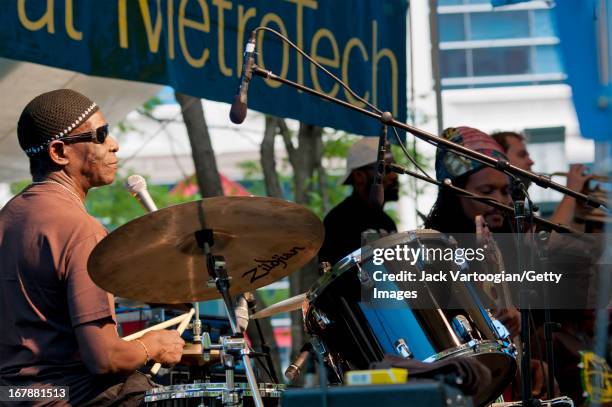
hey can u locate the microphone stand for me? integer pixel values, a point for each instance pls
(517, 192)
(377, 193)
(549, 325)
(387, 119)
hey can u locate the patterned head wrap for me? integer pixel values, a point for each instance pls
(450, 165)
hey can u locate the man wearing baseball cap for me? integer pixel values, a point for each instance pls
(58, 327)
(345, 223)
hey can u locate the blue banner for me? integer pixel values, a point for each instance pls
(585, 30)
(196, 47)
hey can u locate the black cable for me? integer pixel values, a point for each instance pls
(407, 154)
(348, 89)
(263, 366)
(334, 77)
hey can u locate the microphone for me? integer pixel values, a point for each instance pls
(377, 192)
(137, 186)
(295, 368)
(238, 111)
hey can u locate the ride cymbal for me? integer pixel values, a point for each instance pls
(156, 258)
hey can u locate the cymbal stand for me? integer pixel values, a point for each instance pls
(235, 345)
(231, 348)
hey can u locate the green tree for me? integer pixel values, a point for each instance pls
(114, 206)
(336, 145)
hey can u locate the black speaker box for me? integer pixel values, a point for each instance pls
(423, 393)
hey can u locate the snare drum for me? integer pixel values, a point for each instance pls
(353, 331)
(209, 394)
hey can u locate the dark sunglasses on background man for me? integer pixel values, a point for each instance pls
(97, 136)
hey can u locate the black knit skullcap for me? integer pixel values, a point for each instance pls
(51, 116)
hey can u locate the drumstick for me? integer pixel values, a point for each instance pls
(161, 325)
(180, 329)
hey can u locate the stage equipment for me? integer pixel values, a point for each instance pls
(157, 257)
(210, 394)
(414, 393)
(351, 331)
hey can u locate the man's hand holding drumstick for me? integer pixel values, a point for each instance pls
(163, 346)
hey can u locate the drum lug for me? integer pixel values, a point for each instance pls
(321, 318)
(511, 348)
(401, 347)
(364, 278)
(501, 330)
(462, 328)
(318, 345)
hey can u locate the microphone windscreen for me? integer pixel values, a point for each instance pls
(238, 111)
(295, 369)
(135, 183)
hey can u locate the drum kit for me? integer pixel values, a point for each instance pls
(221, 247)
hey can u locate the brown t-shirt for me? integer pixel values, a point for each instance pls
(46, 237)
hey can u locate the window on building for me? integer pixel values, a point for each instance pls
(453, 63)
(480, 46)
(454, 28)
(500, 61)
(546, 147)
(460, 2)
(449, 2)
(498, 25)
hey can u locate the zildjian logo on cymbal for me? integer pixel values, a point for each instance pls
(277, 260)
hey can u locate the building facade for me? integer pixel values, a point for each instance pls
(499, 69)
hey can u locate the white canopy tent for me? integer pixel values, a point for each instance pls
(22, 81)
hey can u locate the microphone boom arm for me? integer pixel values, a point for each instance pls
(387, 119)
(548, 225)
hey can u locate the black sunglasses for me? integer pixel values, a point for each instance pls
(97, 136)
